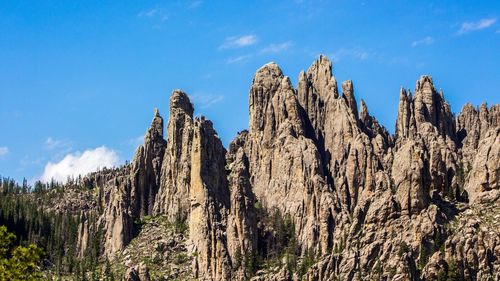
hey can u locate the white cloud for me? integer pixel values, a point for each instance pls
(195, 4)
(202, 100)
(3, 150)
(424, 41)
(353, 53)
(149, 13)
(156, 14)
(239, 59)
(277, 48)
(52, 144)
(75, 164)
(477, 25)
(238, 42)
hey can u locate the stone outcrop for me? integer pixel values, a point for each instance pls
(472, 125)
(146, 168)
(316, 188)
(315, 88)
(128, 193)
(426, 120)
(425, 108)
(242, 221)
(209, 196)
(484, 177)
(173, 197)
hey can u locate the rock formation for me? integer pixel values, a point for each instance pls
(316, 188)
(209, 196)
(147, 167)
(173, 197)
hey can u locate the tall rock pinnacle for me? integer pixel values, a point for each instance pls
(316, 87)
(173, 196)
(315, 189)
(209, 196)
(146, 167)
(348, 95)
(425, 108)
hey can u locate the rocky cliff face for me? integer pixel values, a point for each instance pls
(173, 198)
(316, 188)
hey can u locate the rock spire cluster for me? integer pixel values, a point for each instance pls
(361, 203)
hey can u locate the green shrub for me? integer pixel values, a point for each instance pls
(424, 256)
(403, 248)
(180, 225)
(307, 261)
(18, 262)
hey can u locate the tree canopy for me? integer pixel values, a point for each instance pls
(18, 262)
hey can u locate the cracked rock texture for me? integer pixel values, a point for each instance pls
(316, 189)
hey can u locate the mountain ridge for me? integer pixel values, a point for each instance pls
(315, 189)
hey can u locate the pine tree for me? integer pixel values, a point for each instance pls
(18, 262)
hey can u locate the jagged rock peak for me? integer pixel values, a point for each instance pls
(425, 81)
(347, 86)
(426, 107)
(156, 128)
(405, 121)
(209, 203)
(425, 100)
(348, 95)
(363, 111)
(268, 76)
(321, 66)
(349, 197)
(146, 168)
(431, 107)
(173, 194)
(320, 75)
(473, 124)
(272, 100)
(316, 90)
(403, 94)
(179, 100)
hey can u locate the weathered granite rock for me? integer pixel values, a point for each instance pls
(472, 126)
(315, 88)
(411, 178)
(146, 168)
(348, 95)
(128, 193)
(242, 222)
(173, 195)
(427, 119)
(285, 165)
(316, 189)
(430, 107)
(209, 196)
(484, 176)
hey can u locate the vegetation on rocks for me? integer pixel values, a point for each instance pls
(315, 189)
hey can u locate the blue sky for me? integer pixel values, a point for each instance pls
(79, 79)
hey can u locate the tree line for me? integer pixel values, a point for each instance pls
(25, 210)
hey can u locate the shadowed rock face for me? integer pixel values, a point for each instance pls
(146, 168)
(173, 197)
(363, 204)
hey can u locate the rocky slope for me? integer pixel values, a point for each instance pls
(316, 189)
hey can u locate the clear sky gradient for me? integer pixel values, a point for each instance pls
(79, 79)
